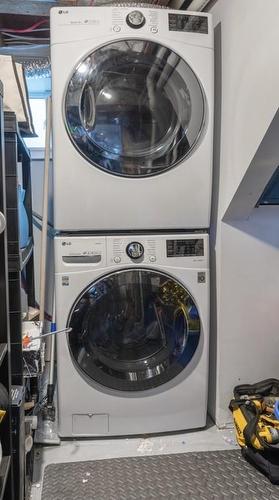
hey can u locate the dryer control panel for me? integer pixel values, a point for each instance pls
(71, 24)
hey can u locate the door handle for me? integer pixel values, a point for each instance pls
(2, 222)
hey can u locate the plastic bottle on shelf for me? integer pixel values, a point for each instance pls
(23, 218)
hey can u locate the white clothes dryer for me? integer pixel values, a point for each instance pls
(132, 118)
(136, 359)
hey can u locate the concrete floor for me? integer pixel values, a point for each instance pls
(207, 439)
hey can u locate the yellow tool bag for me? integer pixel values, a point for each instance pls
(255, 409)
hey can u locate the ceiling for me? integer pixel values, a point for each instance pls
(25, 23)
(42, 7)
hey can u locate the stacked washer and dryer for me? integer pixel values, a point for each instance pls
(133, 127)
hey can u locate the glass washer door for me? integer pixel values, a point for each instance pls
(134, 329)
(134, 108)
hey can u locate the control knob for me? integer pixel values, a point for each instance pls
(2, 222)
(135, 250)
(135, 19)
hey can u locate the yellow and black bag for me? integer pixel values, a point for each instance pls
(255, 414)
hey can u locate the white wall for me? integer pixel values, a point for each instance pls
(245, 253)
(250, 82)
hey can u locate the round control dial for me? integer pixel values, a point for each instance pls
(135, 19)
(135, 250)
(2, 222)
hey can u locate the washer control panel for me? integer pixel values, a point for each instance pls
(73, 253)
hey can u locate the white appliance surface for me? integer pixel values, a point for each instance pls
(132, 118)
(136, 361)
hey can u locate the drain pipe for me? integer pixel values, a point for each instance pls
(50, 387)
(46, 431)
(198, 5)
(194, 5)
(49, 408)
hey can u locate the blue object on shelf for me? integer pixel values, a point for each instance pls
(276, 409)
(23, 218)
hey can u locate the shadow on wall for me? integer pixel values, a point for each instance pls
(263, 225)
(258, 174)
(217, 130)
(262, 222)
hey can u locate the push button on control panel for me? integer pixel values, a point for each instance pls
(117, 259)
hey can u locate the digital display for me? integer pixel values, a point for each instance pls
(185, 248)
(191, 24)
(270, 195)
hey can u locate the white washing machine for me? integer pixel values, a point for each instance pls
(132, 118)
(136, 359)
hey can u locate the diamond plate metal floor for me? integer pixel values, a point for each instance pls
(192, 476)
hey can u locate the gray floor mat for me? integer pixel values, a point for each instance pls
(192, 476)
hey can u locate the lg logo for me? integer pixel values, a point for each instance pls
(64, 243)
(63, 12)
